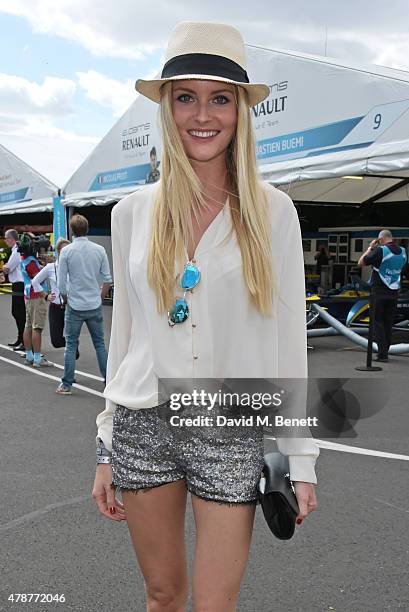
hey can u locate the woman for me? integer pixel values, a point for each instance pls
(56, 308)
(210, 225)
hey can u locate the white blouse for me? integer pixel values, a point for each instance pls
(48, 273)
(13, 265)
(225, 336)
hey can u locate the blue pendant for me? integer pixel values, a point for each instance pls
(179, 312)
(190, 277)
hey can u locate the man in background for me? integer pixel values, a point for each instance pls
(387, 260)
(86, 266)
(12, 269)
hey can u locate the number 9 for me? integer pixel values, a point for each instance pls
(377, 121)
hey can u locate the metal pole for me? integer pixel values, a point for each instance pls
(369, 367)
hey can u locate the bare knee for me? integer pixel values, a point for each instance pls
(166, 598)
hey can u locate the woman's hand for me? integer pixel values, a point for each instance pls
(51, 297)
(104, 494)
(306, 498)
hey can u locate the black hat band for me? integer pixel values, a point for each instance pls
(204, 63)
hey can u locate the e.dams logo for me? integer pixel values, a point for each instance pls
(135, 137)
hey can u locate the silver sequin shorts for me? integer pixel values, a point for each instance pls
(221, 464)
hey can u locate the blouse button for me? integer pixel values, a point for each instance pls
(195, 356)
(193, 324)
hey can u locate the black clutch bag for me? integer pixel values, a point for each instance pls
(277, 497)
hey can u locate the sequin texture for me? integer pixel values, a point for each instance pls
(220, 464)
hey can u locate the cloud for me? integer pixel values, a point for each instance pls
(29, 112)
(107, 92)
(92, 24)
(133, 30)
(33, 127)
(394, 53)
(51, 98)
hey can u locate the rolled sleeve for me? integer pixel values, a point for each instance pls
(292, 346)
(39, 278)
(104, 271)
(374, 258)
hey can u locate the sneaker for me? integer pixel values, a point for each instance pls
(42, 364)
(383, 359)
(13, 344)
(19, 347)
(63, 389)
(29, 361)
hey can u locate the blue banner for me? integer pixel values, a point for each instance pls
(59, 219)
(13, 196)
(133, 175)
(315, 138)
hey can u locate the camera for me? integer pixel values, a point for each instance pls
(33, 245)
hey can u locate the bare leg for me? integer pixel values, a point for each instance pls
(36, 340)
(223, 537)
(27, 339)
(156, 521)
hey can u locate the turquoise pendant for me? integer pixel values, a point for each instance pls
(179, 312)
(190, 277)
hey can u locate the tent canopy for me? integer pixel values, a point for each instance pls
(324, 119)
(21, 187)
(346, 178)
(98, 198)
(34, 206)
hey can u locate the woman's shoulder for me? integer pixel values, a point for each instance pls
(137, 202)
(281, 205)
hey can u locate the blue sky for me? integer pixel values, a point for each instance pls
(67, 67)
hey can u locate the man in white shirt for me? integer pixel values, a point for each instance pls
(86, 265)
(12, 269)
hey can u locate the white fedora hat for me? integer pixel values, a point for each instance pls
(206, 51)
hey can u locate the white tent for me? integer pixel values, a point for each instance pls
(22, 189)
(325, 119)
(344, 121)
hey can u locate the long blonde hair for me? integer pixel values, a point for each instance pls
(180, 190)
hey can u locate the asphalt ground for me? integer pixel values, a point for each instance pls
(351, 555)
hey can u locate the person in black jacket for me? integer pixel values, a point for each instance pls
(12, 269)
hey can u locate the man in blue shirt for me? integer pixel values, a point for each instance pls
(83, 267)
(387, 260)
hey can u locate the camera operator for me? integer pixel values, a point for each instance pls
(35, 301)
(387, 260)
